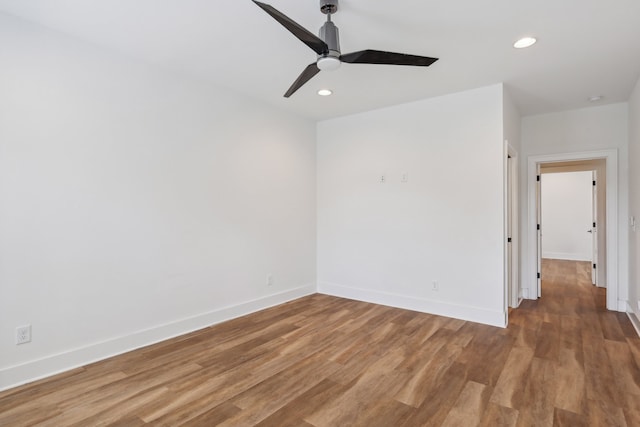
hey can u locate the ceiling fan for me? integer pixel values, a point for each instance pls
(327, 46)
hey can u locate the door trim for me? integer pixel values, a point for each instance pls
(513, 288)
(595, 233)
(611, 158)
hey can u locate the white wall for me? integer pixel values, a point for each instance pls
(589, 129)
(387, 242)
(511, 121)
(634, 200)
(567, 215)
(136, 205)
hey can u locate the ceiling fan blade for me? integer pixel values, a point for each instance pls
(380, 57)
(306, 37)
(307, 74)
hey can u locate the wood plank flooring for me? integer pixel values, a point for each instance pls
(324, 361)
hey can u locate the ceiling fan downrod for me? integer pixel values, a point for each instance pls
(328, 6)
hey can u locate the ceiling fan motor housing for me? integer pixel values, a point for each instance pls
(330, 35)
(330, 60)
(328, 6)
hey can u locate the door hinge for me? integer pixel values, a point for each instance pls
(538, 275)
(538, 226)
(538, 178)
(594, 225)
(509, 240)
(594, 266)
(594, 183)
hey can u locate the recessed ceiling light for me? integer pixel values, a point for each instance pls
(324, 92)
(525, 42)
(595, 98)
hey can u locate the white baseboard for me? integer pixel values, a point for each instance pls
(473, 314)
(623, 307)
(634, 319)
(566, 256)
(33, 370)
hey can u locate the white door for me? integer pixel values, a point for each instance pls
(539, 226)
(594, 230)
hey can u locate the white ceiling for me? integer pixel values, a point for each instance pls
(585, 48)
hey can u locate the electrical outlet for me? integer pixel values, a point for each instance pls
(435, 286)
(23, 334)
(383, 179)
(270, 280)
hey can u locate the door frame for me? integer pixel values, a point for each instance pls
(599, 167)
(538, 222)
(513, 290)
(611, 160)
(595, 233)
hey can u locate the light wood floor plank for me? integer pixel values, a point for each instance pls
(510, 386)
(571, 389)
(496, 415)
(470, 406)
(562, 418)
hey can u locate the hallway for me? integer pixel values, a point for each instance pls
(585, 359)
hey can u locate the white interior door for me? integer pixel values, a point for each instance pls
(594, 229)
(539, 226)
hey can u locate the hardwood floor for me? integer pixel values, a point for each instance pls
(324, 361)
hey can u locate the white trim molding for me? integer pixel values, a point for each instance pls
(33, 370)
(511, 171)
(611, 159)
(633, 318)
(566, 256)
(439, 308)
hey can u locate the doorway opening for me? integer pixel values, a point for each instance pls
(603, 166)
(573, 214)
